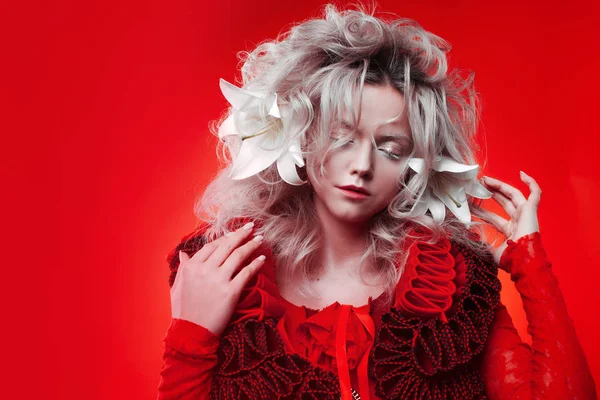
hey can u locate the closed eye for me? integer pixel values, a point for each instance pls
(393, 151)
(343, 139)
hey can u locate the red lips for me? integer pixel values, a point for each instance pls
(355, 189)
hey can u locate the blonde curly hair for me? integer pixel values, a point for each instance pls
(317, 66)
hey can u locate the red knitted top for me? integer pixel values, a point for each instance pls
(447, 336)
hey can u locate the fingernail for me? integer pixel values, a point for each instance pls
(523, 173)
(261, 258)
(180, 256)
(248, 226)
(258, 238)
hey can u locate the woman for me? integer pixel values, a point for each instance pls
(327, 266)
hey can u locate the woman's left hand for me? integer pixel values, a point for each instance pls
(522, 211)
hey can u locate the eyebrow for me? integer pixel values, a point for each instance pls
(347, 125)
(396, 137)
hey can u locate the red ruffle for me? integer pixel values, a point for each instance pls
(432, 278)
(318, 335)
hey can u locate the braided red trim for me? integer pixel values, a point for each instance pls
(253, 365)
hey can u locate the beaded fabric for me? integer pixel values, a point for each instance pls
(253, 365)
(417, 358)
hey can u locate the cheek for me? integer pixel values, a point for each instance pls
(389, 186)
(317, 173)
(312, 172)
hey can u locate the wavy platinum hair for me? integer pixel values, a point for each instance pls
(317, 66)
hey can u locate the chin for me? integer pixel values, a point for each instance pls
(353, 218)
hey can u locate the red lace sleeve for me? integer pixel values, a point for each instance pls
(554, 367)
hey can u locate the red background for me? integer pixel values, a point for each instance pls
(105, 148)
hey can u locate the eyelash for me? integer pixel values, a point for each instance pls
(390, 154)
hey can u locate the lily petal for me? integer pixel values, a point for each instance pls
(227, 128)
(446, 164)
(437, 209)
(286, 166)
(274, 110)
(292, 124)
(255, 155)
(421, 207)
(296, 152)
(417, 164)
(453, 190)
(475, 189)
(245, 100)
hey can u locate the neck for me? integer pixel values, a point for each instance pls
(343, 243)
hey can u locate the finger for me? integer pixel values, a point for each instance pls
(183, 259)
(536, 192)
(241, 279)
(497, 221)
(239, 256)
(504, 202)
(206, 251)
(509, 191)
(228, 245)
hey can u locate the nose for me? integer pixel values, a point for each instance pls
(362, 160)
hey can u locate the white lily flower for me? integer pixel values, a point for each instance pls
(261, 149)
(448, 185)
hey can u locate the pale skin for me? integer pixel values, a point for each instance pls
(207, 278)
(521, 211)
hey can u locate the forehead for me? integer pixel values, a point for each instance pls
(379, 106)
(383, 101)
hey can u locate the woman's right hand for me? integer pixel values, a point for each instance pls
(205, 291)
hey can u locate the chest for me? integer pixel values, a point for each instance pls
(330, 289)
